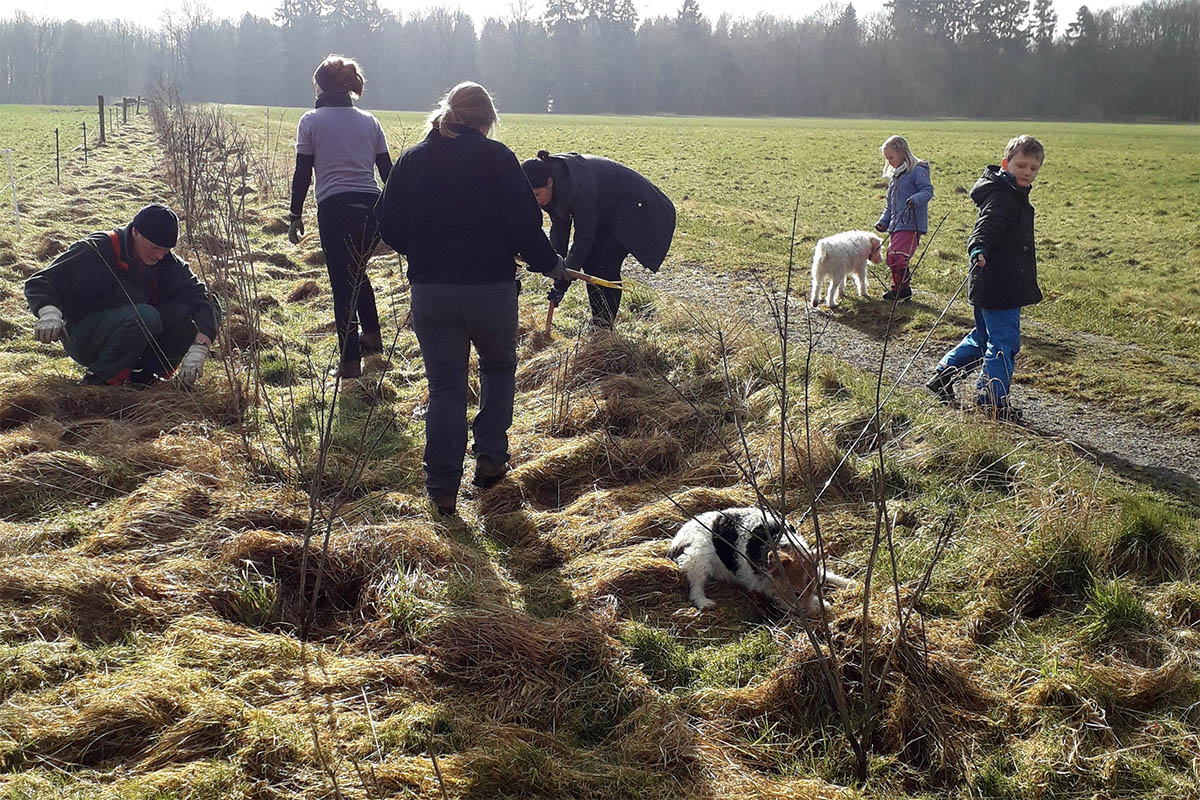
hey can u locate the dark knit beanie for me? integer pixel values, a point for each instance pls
(158, 224)
(537, 170)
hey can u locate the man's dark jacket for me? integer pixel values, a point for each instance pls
(460, 209)
(90, 277)
(594, 192)
(1004, 235)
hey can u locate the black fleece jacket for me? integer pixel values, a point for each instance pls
(90, 277)
(460, 209)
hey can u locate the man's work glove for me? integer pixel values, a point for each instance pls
(295, 229)
(559, 273)
(559, 291)
(50, 325)
(192, 364)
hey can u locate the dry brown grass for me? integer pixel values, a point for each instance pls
(936, 708)
(53, 594)
(303, 290)
(539, 673)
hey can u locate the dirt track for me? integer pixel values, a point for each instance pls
(1126, 446)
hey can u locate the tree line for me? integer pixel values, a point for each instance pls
(978, 58)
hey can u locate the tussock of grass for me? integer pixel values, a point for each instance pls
(932, 696)
(637, 577)
(303, 290)
(554, 479)
(1115, 611)
(540, 673)
(35, 482)
(1149, 538)
(1054, 564)
(163, 509)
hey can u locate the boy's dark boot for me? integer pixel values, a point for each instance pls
(488, 473)
(1002, 413)
(942, 383)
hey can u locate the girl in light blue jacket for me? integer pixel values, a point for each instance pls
(906, 215)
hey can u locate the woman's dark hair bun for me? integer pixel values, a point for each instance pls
(543, 154)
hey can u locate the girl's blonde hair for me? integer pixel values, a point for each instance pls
(468, 103)
(340, 74)
(900, 145)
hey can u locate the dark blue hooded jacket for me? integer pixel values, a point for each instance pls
(1004, 235)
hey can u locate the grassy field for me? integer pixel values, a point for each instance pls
(542, 646)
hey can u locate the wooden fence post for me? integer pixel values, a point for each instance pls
(57, 165)
(100, 104)
(85, 143)
(13, 184)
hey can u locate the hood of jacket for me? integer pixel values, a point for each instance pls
(995, 180)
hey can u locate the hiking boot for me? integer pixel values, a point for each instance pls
(347, 370)
(1002, 413)
(444, 501)
(370, 343)
(942, 384)
(92, 379)
(488, 473)
(143, 377)
(904, 292)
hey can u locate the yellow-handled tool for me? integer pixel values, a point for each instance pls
(576, 275)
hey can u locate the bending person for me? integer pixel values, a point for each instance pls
(459, 207)
(344, 145)
(615, 212)
(125, 307)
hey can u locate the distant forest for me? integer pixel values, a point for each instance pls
(977, 58)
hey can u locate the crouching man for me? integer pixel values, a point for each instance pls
(125, 307)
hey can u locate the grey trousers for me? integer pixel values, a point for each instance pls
(448, 319)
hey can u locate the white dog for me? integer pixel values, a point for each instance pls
(749, 547)
(840, 256)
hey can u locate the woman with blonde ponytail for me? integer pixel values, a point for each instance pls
(457, 205)
(344, 145)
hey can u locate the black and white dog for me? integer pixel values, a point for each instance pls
(747, 546)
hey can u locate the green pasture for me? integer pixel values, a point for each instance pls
(1118, 226)
(1118, 206)
(29, 132)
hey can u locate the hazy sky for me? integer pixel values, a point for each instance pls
(138, 10)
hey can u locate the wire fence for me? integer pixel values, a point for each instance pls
(116, 117)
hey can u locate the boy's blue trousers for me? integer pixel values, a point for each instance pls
(995, 341)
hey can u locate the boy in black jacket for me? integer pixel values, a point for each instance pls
(1002, 279)
(125, 306)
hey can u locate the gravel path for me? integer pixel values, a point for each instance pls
(1127, 446)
